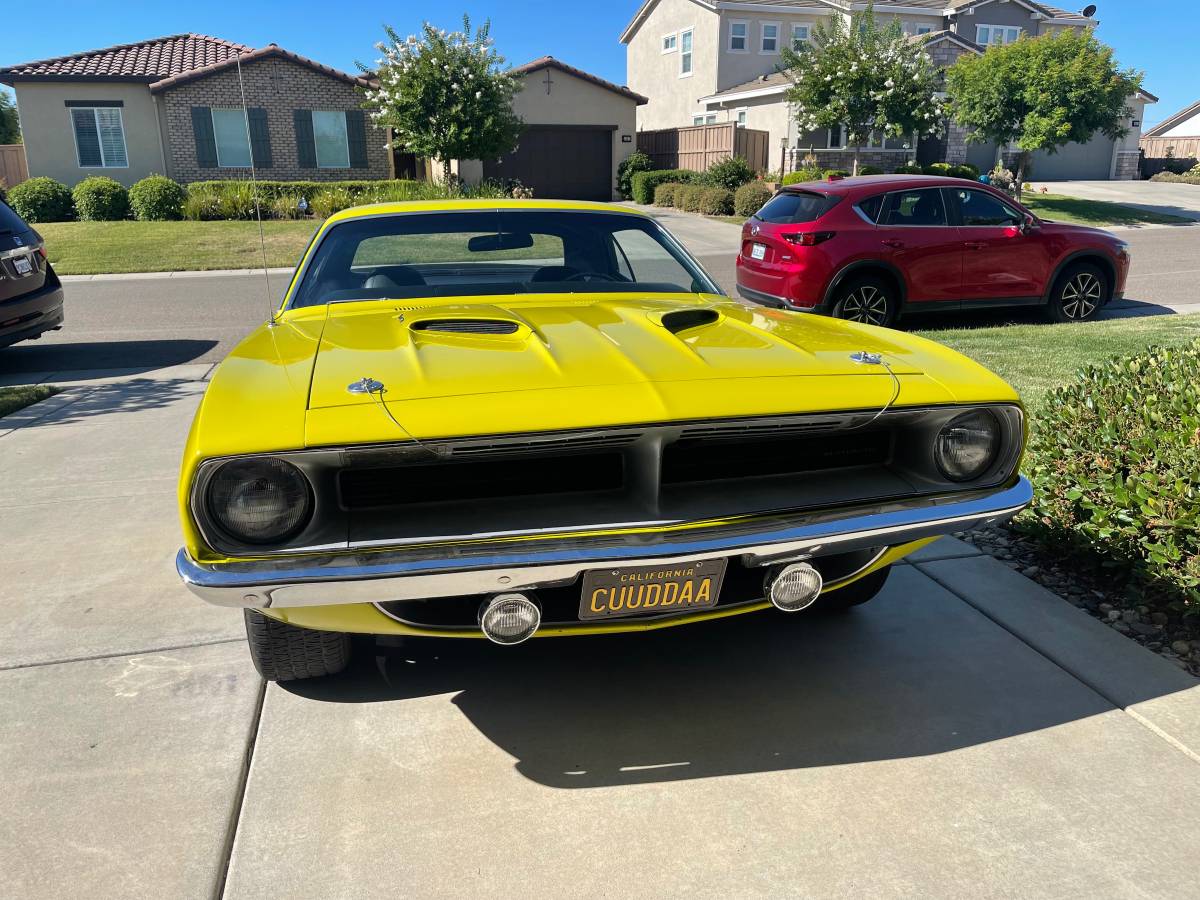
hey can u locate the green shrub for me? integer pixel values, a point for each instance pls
(101, 199)
(42, 200)
(632, 164)
(939, 168)
(3, 191)
(157, 199)
(966, 170)
(643, 184)
(730, 173)
(325, 203)
(664, 194)
(1115, 463)
(802, 175)
(837, 173)
(1161, 176)
(687, 197)
(715, 201)
(870, 170)
(749, 198)
(910, 168)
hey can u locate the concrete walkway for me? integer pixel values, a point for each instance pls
(1156, 196)
(965, 734)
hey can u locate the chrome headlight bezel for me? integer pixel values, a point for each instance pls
(985, 428)
(226, 480)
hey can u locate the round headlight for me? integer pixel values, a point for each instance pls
(259, 501)
(966, 447)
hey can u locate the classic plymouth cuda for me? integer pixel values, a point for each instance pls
(515, 419)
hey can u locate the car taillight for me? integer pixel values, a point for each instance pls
(808, 238)
(41, 248)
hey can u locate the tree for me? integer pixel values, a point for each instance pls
(1041, 93)
(866, 79)
(10, 126)
(445, 96)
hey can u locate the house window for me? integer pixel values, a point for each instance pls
(99, 137)
(710, 119)
(799, 36)
(739, 36)
(232, 137)
(329, 135)
(685, 53)
(741, 118)
(770, 38)
(923, 29)
(996, 35)
(670, 43)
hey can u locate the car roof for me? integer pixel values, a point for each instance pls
(868, 183)
(481, 205)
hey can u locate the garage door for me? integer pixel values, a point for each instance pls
(560, 163)
(1085, 162)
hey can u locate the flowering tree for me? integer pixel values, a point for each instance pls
(866, 79)
(445, 96)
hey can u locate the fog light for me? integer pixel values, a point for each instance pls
(509, 618)
(794, 587)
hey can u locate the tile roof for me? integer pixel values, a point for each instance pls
(149, 61)
(268, 52)
(771, 82)
(552, 63)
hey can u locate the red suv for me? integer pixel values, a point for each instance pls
(871, 248)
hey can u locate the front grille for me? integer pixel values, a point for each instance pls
(693, 459)
(372, 488)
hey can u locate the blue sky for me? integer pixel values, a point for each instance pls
(1157, 36)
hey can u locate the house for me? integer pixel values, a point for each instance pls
(578, 129)
(712, 61)
(1174, 142)
(182, 106)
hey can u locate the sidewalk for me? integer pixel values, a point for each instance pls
(965, 734)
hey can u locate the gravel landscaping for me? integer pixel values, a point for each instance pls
(1169, 634)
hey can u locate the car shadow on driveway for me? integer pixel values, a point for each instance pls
(916, 672)
(134, 356)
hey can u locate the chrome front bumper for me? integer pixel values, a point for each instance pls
(423, 572)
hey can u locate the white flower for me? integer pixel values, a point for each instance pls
(889, 83)
(454, 85)
(478, 94)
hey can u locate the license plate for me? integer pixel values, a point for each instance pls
(758, 251)
(651, 590)
(22, 265)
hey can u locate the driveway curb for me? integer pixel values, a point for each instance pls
(196, 273)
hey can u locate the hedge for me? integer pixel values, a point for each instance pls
(101, 199)
(635, 162)
(729, 173)
(687, 197)
(802, 175)
(157, 198)
(42, 200)
(1115, 463)
(750, 198)
(1186, 178)
(910, 169)
(643, 183)
(664, 194)
(715, 201)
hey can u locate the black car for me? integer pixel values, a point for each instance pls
(31, 296)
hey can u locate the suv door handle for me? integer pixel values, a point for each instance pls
(975, 245)
(893, 243)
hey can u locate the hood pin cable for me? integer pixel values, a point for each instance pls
(375, 390)
(864, 358)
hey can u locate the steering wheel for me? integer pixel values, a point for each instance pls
(598, 276)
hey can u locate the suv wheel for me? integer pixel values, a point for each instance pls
(1078, 294)
(283, 652)
(868, 300)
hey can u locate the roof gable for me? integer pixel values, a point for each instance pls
(146, 61)
(549, 62)
(1179, 118)
(271, 51)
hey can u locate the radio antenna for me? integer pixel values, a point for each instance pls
(262, 240)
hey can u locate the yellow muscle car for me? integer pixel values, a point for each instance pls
(515, 419)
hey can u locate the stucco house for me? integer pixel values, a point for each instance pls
(711, 61)
(1175, 138)
(174, 105)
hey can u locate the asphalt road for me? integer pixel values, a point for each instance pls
(153, 322)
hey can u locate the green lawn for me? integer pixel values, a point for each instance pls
(14, 398)
(1093, 212)
(88, 248)
(1034, 358)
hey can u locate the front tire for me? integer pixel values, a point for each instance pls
(283, 652)
(867, 299)
(855, 594)
(1078, 294)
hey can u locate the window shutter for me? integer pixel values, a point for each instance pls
(260, 138)
(87, 140)
(206, 142)
(306, 147)
(356, 138)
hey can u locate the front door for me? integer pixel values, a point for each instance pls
(1001, 261)
(916, 236)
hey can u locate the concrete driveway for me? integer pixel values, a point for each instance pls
(965, 734)
(1156, 196)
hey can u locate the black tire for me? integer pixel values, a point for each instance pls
(283, 652)
(1079, 293)
(867, 299)
(852, 595)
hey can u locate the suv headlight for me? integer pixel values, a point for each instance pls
(967, 445)
(259, 501)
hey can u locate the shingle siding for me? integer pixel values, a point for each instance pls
(280, 87)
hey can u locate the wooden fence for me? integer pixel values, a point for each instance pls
(699, 146)
(1185, 152)
(12, 164)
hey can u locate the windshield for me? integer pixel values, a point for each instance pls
(468, 254)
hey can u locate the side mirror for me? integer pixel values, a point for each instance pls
(1029, 223)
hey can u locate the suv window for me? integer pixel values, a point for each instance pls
(871, 207)
(10, 222)
(981, 208)
(922, 207)
(793, 207)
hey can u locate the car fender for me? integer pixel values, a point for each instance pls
(858, 265)
(1073, 256)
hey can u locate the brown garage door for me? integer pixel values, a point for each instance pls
(560, 162)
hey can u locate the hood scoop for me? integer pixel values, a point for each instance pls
(683, 319)
(466, 326)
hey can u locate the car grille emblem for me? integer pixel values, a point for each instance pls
(18, 242)
(754, 229)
